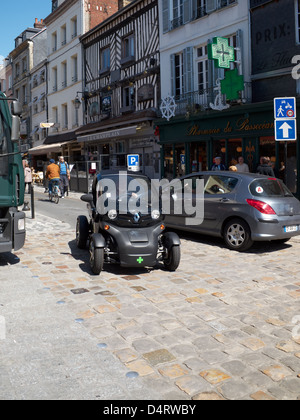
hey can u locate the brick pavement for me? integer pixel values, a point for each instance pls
(225, 325)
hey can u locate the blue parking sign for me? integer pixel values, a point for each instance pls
(284, 108)
(285, 130)
(133, 162)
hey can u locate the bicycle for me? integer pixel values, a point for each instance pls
(54, 195)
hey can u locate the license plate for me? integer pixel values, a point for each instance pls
(288, 229)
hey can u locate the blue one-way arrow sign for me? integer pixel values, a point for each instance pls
(285, 130)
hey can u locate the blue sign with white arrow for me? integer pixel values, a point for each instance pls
(285, 129)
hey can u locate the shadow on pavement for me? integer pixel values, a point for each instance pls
(83, 256)
(257, 247)
(8, 258)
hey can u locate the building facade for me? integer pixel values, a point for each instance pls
(38, 111)
(29, 50)
(68, 20)
(209, 118)
(6, 77)
(121, 62)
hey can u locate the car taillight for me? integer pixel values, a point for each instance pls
(261, 206)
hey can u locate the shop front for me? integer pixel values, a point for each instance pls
(190, 144)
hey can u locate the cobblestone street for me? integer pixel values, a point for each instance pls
(225, 325)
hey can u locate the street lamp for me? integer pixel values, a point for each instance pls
(86, 95)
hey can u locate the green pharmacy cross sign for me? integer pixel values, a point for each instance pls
(232, 84)
(221, 52)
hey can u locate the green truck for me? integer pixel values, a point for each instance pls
(12, 221)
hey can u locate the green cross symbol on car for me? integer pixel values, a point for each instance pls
(140, 260)
(221, 52)
(232, 84)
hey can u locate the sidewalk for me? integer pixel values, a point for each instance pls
(223, 326)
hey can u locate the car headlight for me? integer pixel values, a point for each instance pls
(21, 224)
(112, 214)
(155, 214)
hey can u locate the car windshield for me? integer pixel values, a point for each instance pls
(133, 191)
(270, 187)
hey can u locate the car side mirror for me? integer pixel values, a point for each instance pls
(87, 198)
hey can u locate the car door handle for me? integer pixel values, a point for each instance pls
(224, 200)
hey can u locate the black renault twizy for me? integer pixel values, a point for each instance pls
(125, 224)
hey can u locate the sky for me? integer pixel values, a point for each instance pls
(16, 16)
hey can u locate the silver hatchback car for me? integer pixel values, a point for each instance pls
(241, 208)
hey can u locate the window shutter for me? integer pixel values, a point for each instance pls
(211, 5)
(165, 15)
(172, 57)
(187, 10)
(188, 67)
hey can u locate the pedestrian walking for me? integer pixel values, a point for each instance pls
(27, 178)
(64, 176)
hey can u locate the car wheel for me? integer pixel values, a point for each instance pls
(96, 258)
(237, 235)
(171, 263)
(82, 231)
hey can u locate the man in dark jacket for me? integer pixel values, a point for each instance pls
(264, 168)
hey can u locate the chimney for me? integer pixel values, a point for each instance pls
(39, 25)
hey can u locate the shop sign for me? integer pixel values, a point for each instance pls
(242, 125)
(108, 134)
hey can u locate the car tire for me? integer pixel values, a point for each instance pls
(82, 231)
(237, 235)
(96, 257)
(172, 262)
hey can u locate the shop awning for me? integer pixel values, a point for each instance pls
(45, 148)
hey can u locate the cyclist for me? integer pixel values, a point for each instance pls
(53, 174)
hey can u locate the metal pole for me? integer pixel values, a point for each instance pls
(32, 202)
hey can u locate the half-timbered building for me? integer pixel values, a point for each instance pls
(121, 89)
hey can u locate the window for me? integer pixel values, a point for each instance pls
(24, 65)
(104, 60)
(54, 41)
(74, 69)
(64, 74)
(127, 49)
(182, 72)
(75, 116)
(298, 21)
(24, 92)
(34, 81)
(178, 80)
(217, 184)
(177, 13)
(63, 34)
(35, 106)
(17, 70)
(55, 117)
(212, 5)
(200, 9)
(202, 67)
(54, 78)
(42, 76)
(74, 27)
(65, 116)
(128, 99)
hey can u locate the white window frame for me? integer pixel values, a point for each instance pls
(202, 59)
